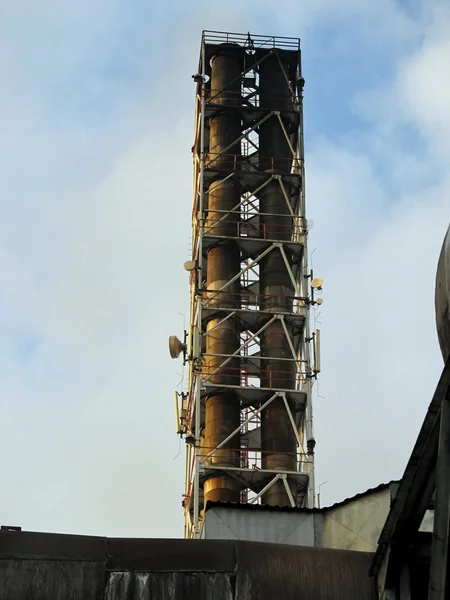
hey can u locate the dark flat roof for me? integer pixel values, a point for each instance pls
(87, 566)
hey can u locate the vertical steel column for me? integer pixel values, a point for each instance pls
(304, 291)
(278, 442)
(439, 565)
(222, 410)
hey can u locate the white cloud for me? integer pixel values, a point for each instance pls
(381, 360)
(381, 357)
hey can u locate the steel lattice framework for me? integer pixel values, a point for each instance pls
(247, 414)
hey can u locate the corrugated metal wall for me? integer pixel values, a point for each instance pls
(280, 527)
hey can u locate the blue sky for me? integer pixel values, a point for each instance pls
(96, 112)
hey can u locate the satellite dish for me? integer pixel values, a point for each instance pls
(310, 224)
(175, 346)
(319, 301)
(316, 283)
(189, 265)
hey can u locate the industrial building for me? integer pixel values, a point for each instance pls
(252, 525)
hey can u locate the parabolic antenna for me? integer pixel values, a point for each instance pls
(319, 301)
(316, 283)
(189, 265)
(175, 346)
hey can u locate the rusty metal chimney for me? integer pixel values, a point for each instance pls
(278, 442)
(222, 410)
(246, 416)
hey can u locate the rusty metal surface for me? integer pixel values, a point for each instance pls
(140, 569)
(274, 95)
(278, 441)
(222, 411)
(442, 297)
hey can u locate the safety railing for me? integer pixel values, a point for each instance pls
(251, 41)
(231, 456)
(252, 459)
(269, 164)
(246, 100)
(219, 97)
(226, 223)
(244, 299)
(269, 378)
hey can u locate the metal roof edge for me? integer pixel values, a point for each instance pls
(217, 503)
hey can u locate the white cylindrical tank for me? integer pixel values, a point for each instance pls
(442, 297)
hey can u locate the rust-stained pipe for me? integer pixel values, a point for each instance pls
(274, 94)
(222, 411)
(278, 442)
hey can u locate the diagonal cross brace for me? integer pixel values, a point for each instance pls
(265, 488)
(258, 189)
(236, 352)
(244, 270)
(224, 151)
(237, 430)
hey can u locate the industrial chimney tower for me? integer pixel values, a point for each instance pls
(247, 414)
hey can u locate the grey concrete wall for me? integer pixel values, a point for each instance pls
(357, 524)
(283, 527)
